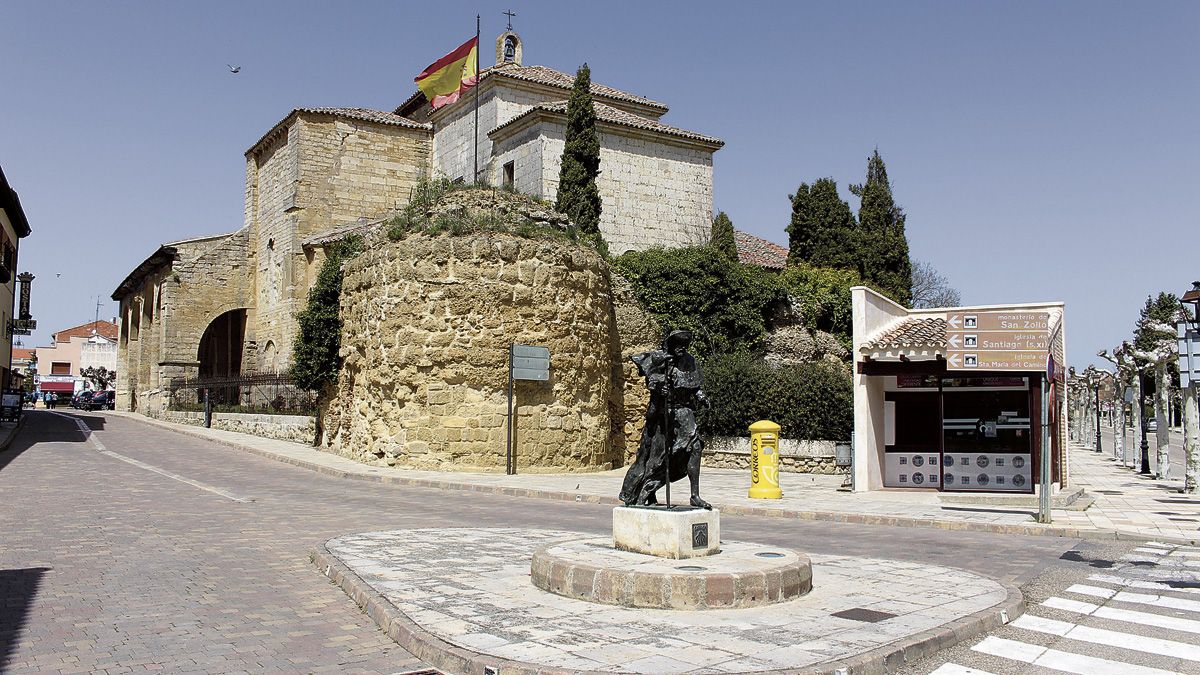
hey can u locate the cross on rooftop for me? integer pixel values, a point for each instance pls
(510, 14)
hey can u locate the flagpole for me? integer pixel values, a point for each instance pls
(477, 79)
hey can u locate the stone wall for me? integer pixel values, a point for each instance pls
(653, 193)
(162, 321)
(795, 456)
(427, 326)
(294, 428)
(319, 173)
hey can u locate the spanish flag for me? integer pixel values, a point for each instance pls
(448, 77)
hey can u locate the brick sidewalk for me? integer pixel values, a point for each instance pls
(1126, 505)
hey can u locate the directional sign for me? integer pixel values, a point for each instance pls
(996, 361)
(997, 340)
(530, 363)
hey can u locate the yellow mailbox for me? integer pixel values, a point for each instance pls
(764, 460)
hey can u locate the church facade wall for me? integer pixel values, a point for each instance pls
(454, 142)
(653, 193)
(322, 172)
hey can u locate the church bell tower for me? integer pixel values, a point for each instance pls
(508, 48)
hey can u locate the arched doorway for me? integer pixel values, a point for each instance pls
(220, 353)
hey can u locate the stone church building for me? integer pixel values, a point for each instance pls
(226, 304)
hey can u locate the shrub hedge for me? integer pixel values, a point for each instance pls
(723, 302)
(812, 401)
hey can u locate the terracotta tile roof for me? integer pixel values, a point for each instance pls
(364, 114)
(909, 333)
(542, 75)
(22, 354)
(106, 329)
(607, 113)
(753, 250)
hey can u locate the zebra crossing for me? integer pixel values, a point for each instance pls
(1140, 616)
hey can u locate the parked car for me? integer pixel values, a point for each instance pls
(80, 400)
(102, 400)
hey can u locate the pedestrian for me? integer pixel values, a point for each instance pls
(52, 400)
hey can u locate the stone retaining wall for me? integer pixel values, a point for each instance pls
(294, 428)
(427, 324)
(795, 456)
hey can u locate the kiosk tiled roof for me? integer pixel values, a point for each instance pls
(607, 113)
(754, 250)
(912, 332)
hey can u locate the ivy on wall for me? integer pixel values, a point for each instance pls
(315, 352)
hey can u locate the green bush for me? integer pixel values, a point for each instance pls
(315, 353)
(823, 296)
(812, 401)
(723, 302)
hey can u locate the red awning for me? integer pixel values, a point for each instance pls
(57, 387)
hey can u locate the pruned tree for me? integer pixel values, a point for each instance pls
(931, 289)
(722, 239)
(883, 245)
(100, 377)
(1155, 345)
(578, 195)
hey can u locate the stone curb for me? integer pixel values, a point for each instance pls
(823, 516)
(445, 656)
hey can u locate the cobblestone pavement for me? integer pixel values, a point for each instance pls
(1123, 503)
(111, 562)
(477, 595)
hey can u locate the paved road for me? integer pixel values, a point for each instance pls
(1137, 613)
(165, 551)
(1134, 443)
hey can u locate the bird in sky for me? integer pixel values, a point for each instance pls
(234, 69)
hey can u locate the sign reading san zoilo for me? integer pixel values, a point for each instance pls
(997, 340)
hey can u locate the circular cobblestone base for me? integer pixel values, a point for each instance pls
(741, 575)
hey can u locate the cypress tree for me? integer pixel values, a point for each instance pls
(578, 196)
(315, 360)
(722, 239)
(883, 246)
(822, 231)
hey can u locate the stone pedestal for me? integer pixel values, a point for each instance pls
(667, 533)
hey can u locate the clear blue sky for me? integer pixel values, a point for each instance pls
(1042, 150)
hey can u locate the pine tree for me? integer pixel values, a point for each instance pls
(722, 239)
(822, 231)
(883, 246)
(578, 196)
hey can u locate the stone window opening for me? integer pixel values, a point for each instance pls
(509, 174)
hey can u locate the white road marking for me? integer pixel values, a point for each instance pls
(1094, 591)
(1060, 660)
(1158, 601)
(955, 669)
(1140, 618)
(1112, 638)
(1148, 585)
(1186, 554)
(99, 445)
(1157, 551)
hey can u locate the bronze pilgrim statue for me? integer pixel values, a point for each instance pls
(670, 447)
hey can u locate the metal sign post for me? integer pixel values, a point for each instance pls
(1044, 480)
(524, 363)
